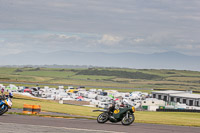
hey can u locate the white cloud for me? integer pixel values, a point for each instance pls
(48, 37)
(2, 40)
(63, 36)
(110, 39)
(138, 40)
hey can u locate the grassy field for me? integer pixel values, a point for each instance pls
(53, 106)
(103, 78)
(171, 118)
(106, 77)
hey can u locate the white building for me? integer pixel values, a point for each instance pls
(185, 97)
(152, 104)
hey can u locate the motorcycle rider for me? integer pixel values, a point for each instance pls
(112, 106)
(2, 96)
(10, 95)
(124, 103)
(2, 91)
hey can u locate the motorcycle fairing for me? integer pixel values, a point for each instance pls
(118, 114)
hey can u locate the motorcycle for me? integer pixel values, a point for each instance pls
(5, 103)
(123, 114)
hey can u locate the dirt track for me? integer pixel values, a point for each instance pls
(32, 124)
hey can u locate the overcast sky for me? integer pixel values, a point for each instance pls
(139, 26)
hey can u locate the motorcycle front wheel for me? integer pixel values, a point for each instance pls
(127, 120)
(102, 118)
(4, 110)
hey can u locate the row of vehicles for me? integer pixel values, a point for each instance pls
(114, 114)
(5, 103)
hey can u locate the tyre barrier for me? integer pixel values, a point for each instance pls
(177, 110)
(27, 109)
(36, 109)
(31, 109)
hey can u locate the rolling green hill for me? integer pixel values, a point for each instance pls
(106, 77)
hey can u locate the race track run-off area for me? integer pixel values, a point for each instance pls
(10, 123)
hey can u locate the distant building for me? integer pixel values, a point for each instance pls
(185, 97)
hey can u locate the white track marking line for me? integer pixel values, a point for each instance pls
(78, 129)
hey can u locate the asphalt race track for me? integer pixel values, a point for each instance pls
(33, 124)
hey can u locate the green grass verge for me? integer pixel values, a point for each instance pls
(170, 118)
(52, 106)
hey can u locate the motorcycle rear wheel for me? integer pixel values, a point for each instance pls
(128, 120)
(102, 118)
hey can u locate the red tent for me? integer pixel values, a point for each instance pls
(80, 97)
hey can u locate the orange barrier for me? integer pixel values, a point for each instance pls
(27, 109)
(36, 109)
(31, 109)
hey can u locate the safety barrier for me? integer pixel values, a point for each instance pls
(31, 109)
(27, 109)
(177, 110)
(36, 109)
